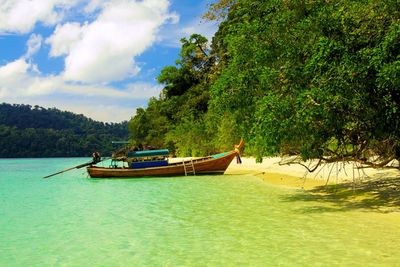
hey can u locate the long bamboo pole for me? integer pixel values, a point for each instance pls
(75, 167)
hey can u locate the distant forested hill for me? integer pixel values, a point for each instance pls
(27, 131)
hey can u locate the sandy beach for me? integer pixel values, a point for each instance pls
(273, 170)
(371, 189)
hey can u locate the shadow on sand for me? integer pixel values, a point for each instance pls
(380, 194)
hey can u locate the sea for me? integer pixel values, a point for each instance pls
(226, 220)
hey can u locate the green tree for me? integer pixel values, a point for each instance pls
(313, 78)
(178, 113)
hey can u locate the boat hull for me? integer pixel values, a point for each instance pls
(207, 165)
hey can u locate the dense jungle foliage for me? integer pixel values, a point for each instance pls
(27, 131)
(314, 78)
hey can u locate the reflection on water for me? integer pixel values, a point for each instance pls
(192, 221)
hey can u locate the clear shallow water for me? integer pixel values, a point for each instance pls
(69, 220)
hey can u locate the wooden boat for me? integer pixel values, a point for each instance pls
(215, 164)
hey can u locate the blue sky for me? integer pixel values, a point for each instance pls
(99, 58)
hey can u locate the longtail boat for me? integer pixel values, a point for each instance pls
(155, 163)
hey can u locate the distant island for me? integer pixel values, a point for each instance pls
(34, 131)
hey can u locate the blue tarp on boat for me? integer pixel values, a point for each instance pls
(149, 164)
(148, 153)
(219, 155)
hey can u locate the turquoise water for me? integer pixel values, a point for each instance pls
(230, 220)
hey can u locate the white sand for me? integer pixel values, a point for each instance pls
(337, 172)
(274, 170)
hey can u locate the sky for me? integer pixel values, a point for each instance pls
(99, 58)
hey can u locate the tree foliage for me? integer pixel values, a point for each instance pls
(314, 78)
(307, 77)
(175, 120)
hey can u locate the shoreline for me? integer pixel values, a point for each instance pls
(271, 172)
(295, 175)
(375, 190)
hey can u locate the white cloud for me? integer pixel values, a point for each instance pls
(20, 16)
(171, 36)
(16, 67)
(106, 112)
(104, 50)
(14, 71)
(20, 83)
(207, 29)
(64, 37)
(93, 5)
(20, 78)
(145, 90)
(34, 44)
(96, 53)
